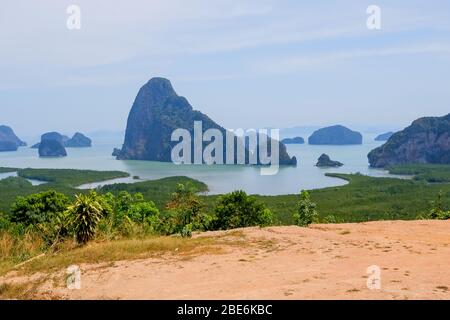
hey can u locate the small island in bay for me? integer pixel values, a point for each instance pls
(384, 136)
(8, 139)
(295, 140)
(325, 161)
(78, 140)
(51, 148)
(335, 135)
(51, 145)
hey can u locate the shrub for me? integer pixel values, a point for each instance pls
(38, 208)
(4, 221)
(85, 213)
(306, 210)
(238, 210)
(130, 215)
(143, 212)
(185, 213)
(438, 210)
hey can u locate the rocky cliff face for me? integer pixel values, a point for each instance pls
(335, 135)
(51, 136)
(51, 148)
(426, 140)
(156, 112)
(51, 145)
(8, 139)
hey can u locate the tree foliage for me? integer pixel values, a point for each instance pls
(38, 208)
(306, 210)
(185, 212)
(85, 214)
(238, 210)
(438, 210)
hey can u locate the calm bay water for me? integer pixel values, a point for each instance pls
(220, 178)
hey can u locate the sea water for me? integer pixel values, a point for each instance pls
(219, 178)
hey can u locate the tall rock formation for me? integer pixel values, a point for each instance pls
(156, 112)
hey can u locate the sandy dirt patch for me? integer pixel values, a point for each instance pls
(326, 261)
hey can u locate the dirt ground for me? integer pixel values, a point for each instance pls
(321, 262)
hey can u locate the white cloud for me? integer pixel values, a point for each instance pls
(290, 64)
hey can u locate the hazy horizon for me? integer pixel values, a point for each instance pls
(247, 64)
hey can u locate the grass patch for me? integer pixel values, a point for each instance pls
(128, 249)
(15, 291)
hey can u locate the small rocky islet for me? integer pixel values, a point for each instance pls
(295, 140)
(78, 140)
(54, 144)
(325, 161)
(384, 136)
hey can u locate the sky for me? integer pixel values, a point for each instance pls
(247, 64)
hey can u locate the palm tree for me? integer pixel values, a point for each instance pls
(86, 212)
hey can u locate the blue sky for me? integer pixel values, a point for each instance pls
(244, 63)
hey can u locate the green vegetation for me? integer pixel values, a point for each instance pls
(159, 191)
(185, 212)
(7, 170)
(438, 210)
(56, 217)
(364, 199)
(306, 210)
(425, 172)
(238, 210)
(70, 177)
(38, 208)
(85, 214)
